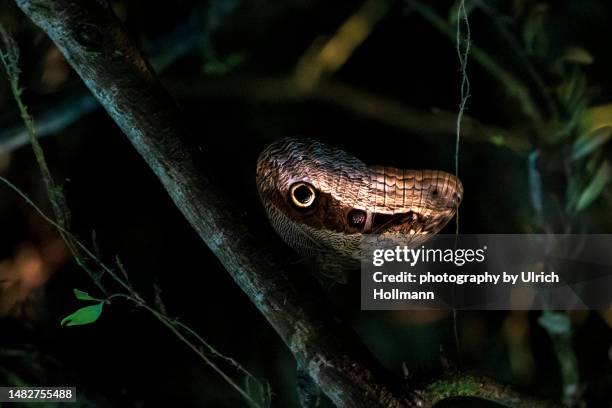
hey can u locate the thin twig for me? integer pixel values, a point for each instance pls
(121, 79)
(123, 82)
(9, 57)
(175, 328)
(463, 52)
(512, 85)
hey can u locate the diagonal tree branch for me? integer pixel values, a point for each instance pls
(73, 104)
(96, 45)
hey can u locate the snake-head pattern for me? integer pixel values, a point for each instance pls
(322, 200)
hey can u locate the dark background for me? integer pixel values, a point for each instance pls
(129, 359)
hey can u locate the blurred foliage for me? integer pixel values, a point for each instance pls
(539, 72)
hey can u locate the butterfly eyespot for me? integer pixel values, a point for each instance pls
(302, 195)
(356, 218)
(434, 192)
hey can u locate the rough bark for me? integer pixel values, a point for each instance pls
(97, 47)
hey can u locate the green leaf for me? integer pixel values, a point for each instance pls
(555, 322)
(578, 55)
(534, 36)
(85, 315)
(572, 92)
(596, 117)
(498, 139)
(84, 295)
(595, 187)
(588, 143)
